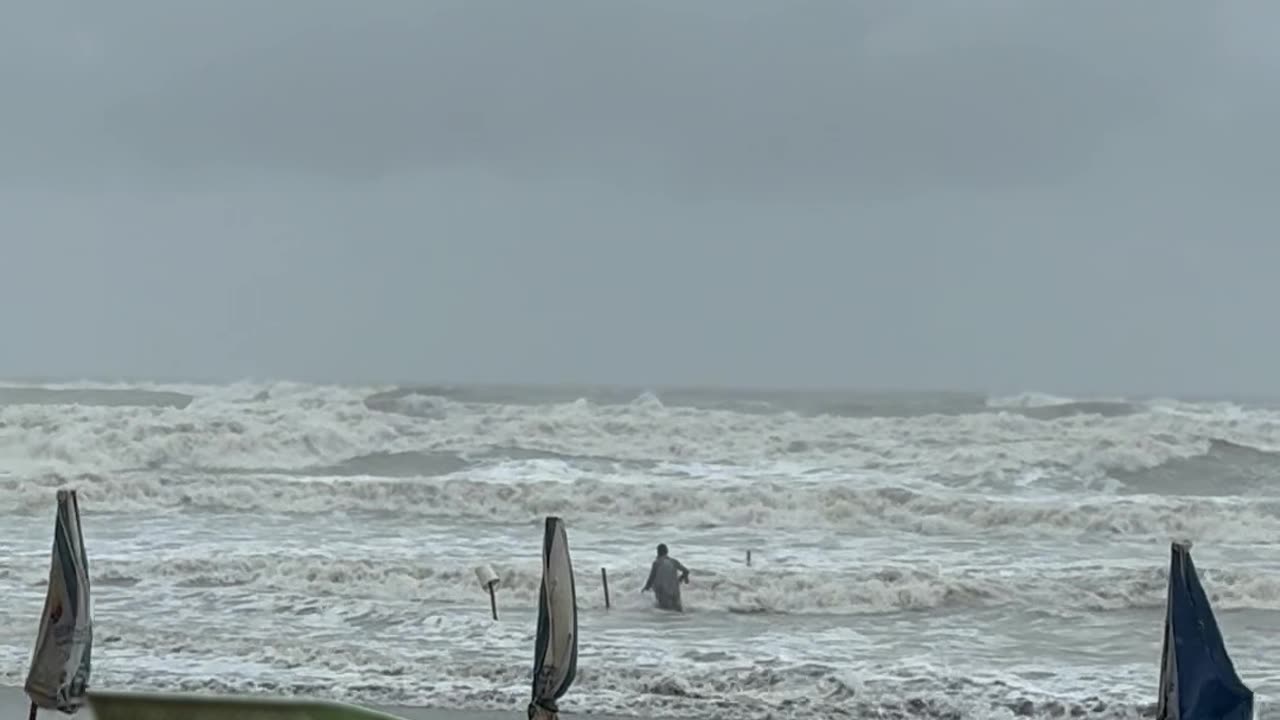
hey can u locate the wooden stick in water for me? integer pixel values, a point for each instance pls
(493, 600)
(604, 578)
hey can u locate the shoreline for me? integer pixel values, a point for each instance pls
(14, 703)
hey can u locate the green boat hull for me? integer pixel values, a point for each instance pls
(167, 706)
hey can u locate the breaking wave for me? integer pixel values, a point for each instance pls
(519, 495)
(713, 688)
(1090, 446)
(858, 590)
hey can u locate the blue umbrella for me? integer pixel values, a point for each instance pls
(1197, 678)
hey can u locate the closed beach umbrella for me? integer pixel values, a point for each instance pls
(555, 660)
(59, 675)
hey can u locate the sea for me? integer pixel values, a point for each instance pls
(852, 554)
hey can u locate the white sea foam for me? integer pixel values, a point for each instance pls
(296, 427)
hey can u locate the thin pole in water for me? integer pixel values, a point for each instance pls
(748, 558)
(604, 578)
(32, 714)
(493, 600)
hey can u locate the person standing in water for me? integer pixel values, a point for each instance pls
(664, 579)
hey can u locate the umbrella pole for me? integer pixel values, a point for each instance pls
(537, 712)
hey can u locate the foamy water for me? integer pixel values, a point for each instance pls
(912, 555)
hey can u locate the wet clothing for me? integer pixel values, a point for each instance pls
(664, 580)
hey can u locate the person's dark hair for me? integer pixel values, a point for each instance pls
(662, 549)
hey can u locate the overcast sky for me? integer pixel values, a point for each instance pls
(961, 194)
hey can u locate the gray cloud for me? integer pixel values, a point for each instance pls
(863, 93)
(983, 193)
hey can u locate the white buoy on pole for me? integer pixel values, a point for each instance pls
(489, 581)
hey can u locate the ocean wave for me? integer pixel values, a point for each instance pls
(867, 589)
(1049, 407)
(288, 433)
(858, 508)
(420, 399)
(1225, 468)
(393, 464)
(302, 429)
(100, 397)
(726, 688)
(1043, 400)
